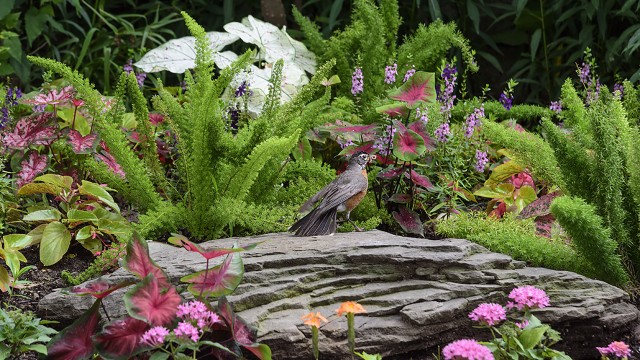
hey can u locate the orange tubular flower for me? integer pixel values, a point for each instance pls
(350, 307)
(312, 319)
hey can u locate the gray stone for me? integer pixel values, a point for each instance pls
(417, 293)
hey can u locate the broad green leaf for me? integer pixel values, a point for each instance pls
(43, 215)
(39, 188)
(99, 192)
(84, 233)
(17, 241)
(34, 20)
(5, 9)
(117, 228)
(129, 121)
(526, 195)
(55, 243)
(501, 191)
(62, 181)
(535, 42)
(531, 337)
(4, 280)
(503, 172)
(91, 244)
(81, 216)
(42, 349)
(36, 234)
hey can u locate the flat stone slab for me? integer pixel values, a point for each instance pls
(417, 292)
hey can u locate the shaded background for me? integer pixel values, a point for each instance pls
(537, 42)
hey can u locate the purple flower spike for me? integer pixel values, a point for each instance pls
(357, 82)
(390, 73)
(506, 101)
(442, 132)
(481, 160)
(556, 106)
(409, 74)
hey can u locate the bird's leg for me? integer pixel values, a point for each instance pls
(352, 223)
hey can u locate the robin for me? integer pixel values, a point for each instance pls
(342, 194)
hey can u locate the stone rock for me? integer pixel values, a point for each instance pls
(417, 292)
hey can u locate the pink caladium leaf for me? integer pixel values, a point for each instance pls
(75, 342)
(217, 281)
(539, 207)
(110, 161)
(409, 220)
(420, 128)
(98, 289)
(395, 109)
(241, 332)
(419, 180)
(390, 173)
(352, 128)
(181, 240)
(407, 145)
(82, 144)
(31, 167)
(151, 302)
(352, 149)
(419, 88)
(139, 262)
(52, 97)
(32, 130)
(120, 339)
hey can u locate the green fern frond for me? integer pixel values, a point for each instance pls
(311, 32)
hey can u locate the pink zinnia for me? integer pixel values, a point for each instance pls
(155, 336)
(617, 348)
(528, 297)
(488, 314)
(466, 350)
(186, 330)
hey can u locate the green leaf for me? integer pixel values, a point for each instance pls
(99, 192)
(39, 188)
(84, 233)
(129, 121)
(36, 234)
(474, 14)
(34, 21)
(16, 241)
(91, 244)
(526, 195)
(503, 172)
(118, 228)
(5, 9)
(501, 191)
(531, 337)
(535, 42)
(43, 215)
(42, 349)
(4, 281)
(81, 216)
(159, 356)
(64, 182)
(302, 151)
(55, 243)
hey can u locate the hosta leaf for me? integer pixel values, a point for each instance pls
(138, 262)
(75, 341)
(152, 302)
(181, 240)
(409, 221)
(99, 192)
(419, 88)
(43, 215)
(98, 288)
(120, 339)
(55, 243)
(419, 180)
(407, 145)
(394, 109)
(217, 281)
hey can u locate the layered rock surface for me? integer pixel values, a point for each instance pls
(417, 292)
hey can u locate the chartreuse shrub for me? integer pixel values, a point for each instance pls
(516, 238)
(223, 177)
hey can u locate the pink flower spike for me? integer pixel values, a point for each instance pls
(154, 336)
(466, 350)
(488, 314)
(528, 297)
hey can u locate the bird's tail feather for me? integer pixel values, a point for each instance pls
(316, 223)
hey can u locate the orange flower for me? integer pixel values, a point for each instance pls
(350, 307)
(312, 319)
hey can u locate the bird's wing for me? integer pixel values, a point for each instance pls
(317, 197)
(343, 188)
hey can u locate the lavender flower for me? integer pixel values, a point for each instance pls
(584, 73)
(442, 132)
(128, 67)
(446, 96)
(346, 143)
(506, 101)
(409, 74)
(357, 82)
(593, 93)
(556, 106)
(423, 116)
(619, 89)
(140, 78)
(385, 141)
(473, 121)
(481, 160)
(242, 89)
(390, 73)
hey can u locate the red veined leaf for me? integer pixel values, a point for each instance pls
(544, 224)
(151, 302)
(181, 240)
(302, 151)
(409, 220)
(352, 128)
(317, 135)
(242, 333)
(419, 88)
(420, 128)
(539, 207)
(391, 173)
(98, 289)
(394, 109)
(385, 160)
(139, 263)
(82, 144)
(400, 198)
(407, 145)
(74, 342)
(120, 339)
(350, 150)
(217, 281)
(419, 180)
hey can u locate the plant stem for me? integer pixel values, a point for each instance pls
(314, 339)
(351, 332)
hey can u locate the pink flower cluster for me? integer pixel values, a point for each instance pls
(466, 350)
(154, 336)
(488, 314)
(528, 297)
(197, 312)
(617, 348)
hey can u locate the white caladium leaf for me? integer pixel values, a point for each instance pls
(178, 55)
(274, 43)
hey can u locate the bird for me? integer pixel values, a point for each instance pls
(344, 193)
